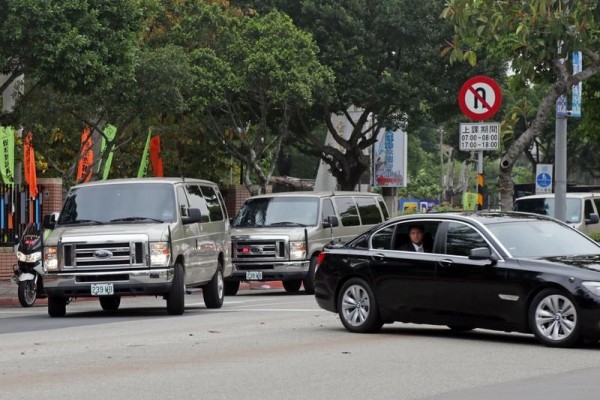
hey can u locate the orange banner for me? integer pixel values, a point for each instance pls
(155, 158)
(86, 159)
(29, 165)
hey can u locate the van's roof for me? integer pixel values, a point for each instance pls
(171, 180)
(315, 194)
(572, 195)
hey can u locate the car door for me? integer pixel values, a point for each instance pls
(469, 291)
(404, 281)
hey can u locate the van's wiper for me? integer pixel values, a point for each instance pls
(135, 219)
(287, 223)
(82, 221)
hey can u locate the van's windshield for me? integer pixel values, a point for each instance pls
(119, 203)
(278, 211)
(545, 206)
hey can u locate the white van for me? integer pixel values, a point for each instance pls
(132, 237)
(582, 209)
(277, 237)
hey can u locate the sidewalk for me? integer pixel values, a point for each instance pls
(9, 297)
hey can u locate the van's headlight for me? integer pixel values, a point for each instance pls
(593, 287)
(160, 254)
(297, 250)
(29, 258)
(51, 258)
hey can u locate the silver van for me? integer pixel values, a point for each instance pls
(131, 237)
(582, 209)
(277, 237)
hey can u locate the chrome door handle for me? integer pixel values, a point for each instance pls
(378, 256)
(445, 263)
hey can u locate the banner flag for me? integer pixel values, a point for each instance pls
(29, 165)
(86, 159)
(110, 131)
(7, 154)
(157, 164)
(144, 164)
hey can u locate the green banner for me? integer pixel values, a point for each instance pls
(7, 154)
(144, 164)
(110, 131)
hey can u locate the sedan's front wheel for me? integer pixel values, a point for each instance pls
(358, 308)
(553, 318)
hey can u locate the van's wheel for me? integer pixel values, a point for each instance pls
(110, 303)
(357, 307)
(231, 288)
(57, 306)
(214, 291)
(309, 281)
(27, 293)
(176, 295)
(292, 286)
(554, 319)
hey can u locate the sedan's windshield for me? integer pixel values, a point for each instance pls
(278, 211)
(542, 239)
(119, 203)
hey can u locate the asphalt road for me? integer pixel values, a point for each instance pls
(267, 344)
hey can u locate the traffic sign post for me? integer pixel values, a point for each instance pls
(480, 98)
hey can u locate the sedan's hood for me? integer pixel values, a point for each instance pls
(585, 262)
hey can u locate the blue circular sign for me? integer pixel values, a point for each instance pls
(543, 179)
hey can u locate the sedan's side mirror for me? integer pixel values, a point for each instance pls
(330, 222)
(593, 219)
(481, 253)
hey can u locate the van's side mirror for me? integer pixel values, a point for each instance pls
(49, 221)
(330, 222)
(193, 215)
(593, 219)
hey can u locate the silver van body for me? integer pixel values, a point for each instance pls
(129, 237)
(279, 236)
(582, 209)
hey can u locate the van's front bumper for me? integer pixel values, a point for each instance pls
(125, 283)
(275, 271)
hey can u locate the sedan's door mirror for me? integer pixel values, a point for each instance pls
(593, 219)
(193, 215)
(481, 253)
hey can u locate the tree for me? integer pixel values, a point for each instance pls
(527, 33)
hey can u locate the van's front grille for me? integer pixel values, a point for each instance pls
(259, 250)
(121, 255)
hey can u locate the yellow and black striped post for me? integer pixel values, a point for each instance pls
(480, 180)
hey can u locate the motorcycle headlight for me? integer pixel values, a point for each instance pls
(51, 258)
(593, 287)
(297, 250)
(160, 254)
(29, 258)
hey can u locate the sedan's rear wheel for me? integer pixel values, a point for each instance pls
(358, 308)
(553, 318)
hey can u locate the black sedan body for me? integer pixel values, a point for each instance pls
(502, 271)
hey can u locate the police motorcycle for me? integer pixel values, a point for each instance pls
(29, 271)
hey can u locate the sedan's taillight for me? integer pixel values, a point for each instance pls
(321, 258)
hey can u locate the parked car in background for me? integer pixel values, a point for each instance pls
(131, 237)
(582, 209)
(503, 271)
(277, 237)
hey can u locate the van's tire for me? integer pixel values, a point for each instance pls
(214, 291)
(309, 281)
(292, 285)
(176, 295)
(57, 306)
(231, 288)
(110, 303)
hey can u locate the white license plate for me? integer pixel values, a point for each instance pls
(102, 289)
(253, 275)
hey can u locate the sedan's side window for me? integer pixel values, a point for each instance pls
(382, 240)
(461, 238)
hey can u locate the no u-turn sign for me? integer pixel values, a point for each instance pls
(480, 98)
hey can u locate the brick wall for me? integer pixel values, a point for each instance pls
(52, 199)
(234, 196)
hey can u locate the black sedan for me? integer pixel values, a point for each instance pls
(502, 271)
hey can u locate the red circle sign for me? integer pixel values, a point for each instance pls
(480, 98)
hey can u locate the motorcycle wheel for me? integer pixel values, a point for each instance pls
(27, 293)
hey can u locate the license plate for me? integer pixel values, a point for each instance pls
(102, 289)
(253, 275)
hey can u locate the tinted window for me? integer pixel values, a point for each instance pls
(429, 232)
(182, 201)
(327, 209)
(368, 210)
(212, 201)
(197, 201)
(348, 211)
(461, 238)
(278, 211)
(383, 239)
(589, 209)
(545, 206)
